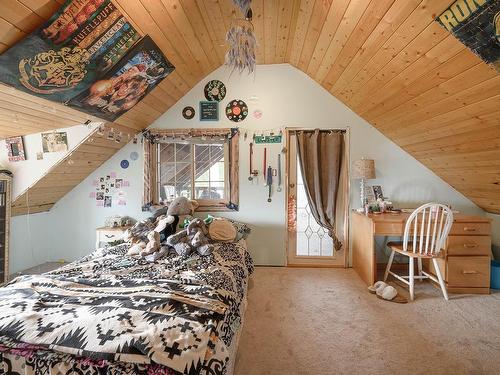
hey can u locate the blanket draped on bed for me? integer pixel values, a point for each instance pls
(178, 313)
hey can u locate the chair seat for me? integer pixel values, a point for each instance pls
(398, 247)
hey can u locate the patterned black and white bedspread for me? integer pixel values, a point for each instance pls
(109, 308)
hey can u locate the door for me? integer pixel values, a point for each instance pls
(308, 244)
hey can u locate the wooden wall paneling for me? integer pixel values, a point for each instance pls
(177, 44)
(470, 77)
(332, 22)
(212, 14)
(20, 15)
(393, 18)
(477, 121)
(44, 8)
(316, 22)
(284, 23)
(258, 23)
(467, 97)
(10, 34)
(452, 118)
(193, 14)
(417, 21)
(179, 21)
(352, 15)
(412, 86)
(292, 29)
(270, 31)
(430, 37)
(371, 17)
(305, 12)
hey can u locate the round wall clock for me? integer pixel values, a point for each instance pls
(215, 90)
(236, 110)
(188, 113)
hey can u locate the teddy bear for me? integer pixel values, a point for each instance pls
(193, 238)
(145, 237)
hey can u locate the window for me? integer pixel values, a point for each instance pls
(193, 170)
(201, 167)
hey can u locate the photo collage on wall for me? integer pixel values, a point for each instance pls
(87, 55)
(109, 191)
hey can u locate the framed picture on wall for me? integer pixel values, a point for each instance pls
(55, 142)
(15, 148)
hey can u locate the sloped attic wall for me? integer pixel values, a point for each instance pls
(287, 97)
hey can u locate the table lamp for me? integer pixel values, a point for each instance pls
(364, 169)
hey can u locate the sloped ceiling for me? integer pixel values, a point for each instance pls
(385, 59)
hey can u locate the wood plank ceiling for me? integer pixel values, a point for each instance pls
(385, 59)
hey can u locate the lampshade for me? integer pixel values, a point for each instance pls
(364, 168)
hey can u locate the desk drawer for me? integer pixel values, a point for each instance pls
(471, 272)
(469, 245)
(470, 229)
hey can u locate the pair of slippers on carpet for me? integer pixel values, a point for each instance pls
(386, 292)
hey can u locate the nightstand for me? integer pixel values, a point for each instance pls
(105, 235)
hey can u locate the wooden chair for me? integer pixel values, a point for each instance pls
(425, 235)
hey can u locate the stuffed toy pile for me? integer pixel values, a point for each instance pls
(146, 237)
(193, 238)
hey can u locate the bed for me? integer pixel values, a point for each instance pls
(109, 313)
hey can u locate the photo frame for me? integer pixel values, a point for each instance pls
(377, 192)
(15, 148)
(55, 142)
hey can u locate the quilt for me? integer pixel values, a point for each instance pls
(112, 313)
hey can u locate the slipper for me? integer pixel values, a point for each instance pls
(379, 284)
(386, 292)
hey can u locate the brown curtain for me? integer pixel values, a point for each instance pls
(149, 195)
(234, 169)
(320, 157)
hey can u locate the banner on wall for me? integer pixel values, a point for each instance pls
(75, 48)
(126, 83)
(476, 23)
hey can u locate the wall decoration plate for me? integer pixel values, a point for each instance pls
(124, 164)
(188, 112)
(236, 110)
(215, 90)
(134, 155)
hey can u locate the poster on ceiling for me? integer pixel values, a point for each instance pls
(63, 57)
(126, 83)
(476, 23)
(89, 56)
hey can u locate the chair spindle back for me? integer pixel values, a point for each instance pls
(427, 228)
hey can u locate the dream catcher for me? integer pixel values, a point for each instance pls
(241, 40)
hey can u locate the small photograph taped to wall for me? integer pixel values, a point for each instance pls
(118, 183)
(377, 192)
(99, 196)
(108, 201)
(55, 142)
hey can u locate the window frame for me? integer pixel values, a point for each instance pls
(191, 136)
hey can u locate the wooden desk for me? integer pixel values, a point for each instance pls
(465, 262)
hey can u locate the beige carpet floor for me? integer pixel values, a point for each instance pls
(323, 321)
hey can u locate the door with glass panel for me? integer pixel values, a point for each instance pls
(308, 243)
